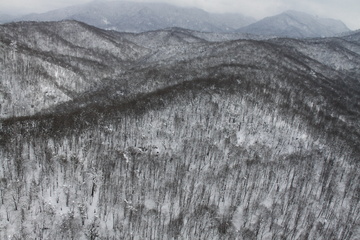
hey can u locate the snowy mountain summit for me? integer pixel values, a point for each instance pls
(297, 25)
(141, 16)
(124, 16)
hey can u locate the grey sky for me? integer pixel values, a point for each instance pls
(346, 10)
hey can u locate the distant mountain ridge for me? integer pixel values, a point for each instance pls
(124, 16)
(140, 16)
(297, 25)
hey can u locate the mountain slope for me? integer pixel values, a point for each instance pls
(48, 63)
(140, 17)
(297, 25)
(353, 37)
(192, 139)
(175, 164)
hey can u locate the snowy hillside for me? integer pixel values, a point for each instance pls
(176, 134)
(49, 63)
(296, 25)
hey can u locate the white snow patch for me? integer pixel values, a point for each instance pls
(150, 204)
(104, 20)
(268, 202)
(237, 219)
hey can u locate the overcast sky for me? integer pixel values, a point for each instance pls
(346, 10)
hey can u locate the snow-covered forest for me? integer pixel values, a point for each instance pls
(108, 135)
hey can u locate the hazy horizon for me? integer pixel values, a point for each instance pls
(346, 10)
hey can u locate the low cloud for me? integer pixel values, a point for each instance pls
(345, 10)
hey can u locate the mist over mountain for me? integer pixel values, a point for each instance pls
(296, 25)
(138, 17)
(177, 134)
(5, 17)
(141, 16)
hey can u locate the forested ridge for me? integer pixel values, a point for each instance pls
(189, 139)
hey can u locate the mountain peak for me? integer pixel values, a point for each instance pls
(295, 13)
(296, 24)
(144, 16)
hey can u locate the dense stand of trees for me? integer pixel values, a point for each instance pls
(178, 140)
(206, 162)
